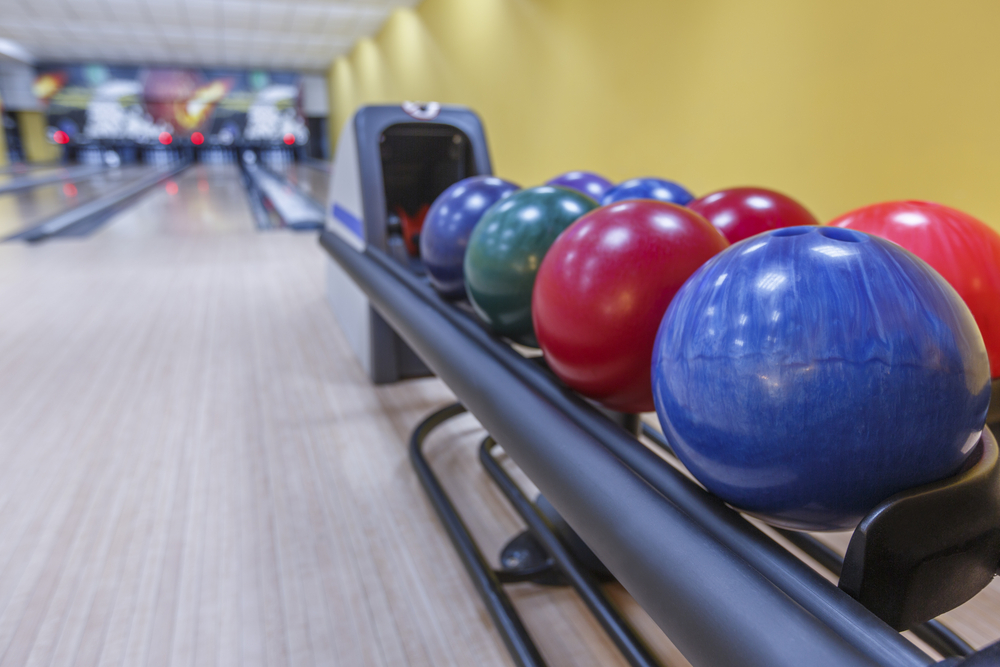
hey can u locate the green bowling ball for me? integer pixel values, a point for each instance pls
(506, 248)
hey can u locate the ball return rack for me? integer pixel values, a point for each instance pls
(721, 589)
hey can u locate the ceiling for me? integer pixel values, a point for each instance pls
(301, 35)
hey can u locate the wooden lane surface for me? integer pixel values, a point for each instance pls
(194, 470)
(313, 181)
(203, 200)
(23, 209)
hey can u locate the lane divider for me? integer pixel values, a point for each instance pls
(296, 210)
(67, 174)
(62, 222)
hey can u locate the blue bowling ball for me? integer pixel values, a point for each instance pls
(805, 375)
(648, 188)
(586, 182)
(449, 223)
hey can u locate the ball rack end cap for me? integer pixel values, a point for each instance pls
(929, 549)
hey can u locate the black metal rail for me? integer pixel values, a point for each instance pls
(696, 566)
(586, 585)
(506, 619)
(806, 588)
(841, 613)
(934, 633)
(558, 557)
(793, 576)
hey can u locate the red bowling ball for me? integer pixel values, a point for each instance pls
(743, 212)
(964, 250)
(602, 289)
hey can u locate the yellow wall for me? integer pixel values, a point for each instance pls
(839, 103)
(37, 147)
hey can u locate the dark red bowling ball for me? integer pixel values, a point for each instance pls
(602, 289)
(964, 250)
(743, 212)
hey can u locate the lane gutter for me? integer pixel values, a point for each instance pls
(70, 174)
(62, 222)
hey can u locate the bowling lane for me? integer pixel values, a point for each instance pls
(311, 180)
(34, 179)
(21, 168)
(207, 199)
(26, 208)
(27, 171)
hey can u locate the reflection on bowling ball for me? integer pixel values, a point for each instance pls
(805, 375)
(602, 290)
(448, 225)
(740, 213)
(965, 251)
(648, 188)
(589, 183)
(506, 249)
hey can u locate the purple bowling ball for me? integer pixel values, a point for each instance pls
(648, 188)
(586, 182)
(449, 223)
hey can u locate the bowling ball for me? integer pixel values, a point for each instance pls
(806, 374)
(602, 289)
(507, 247)
(965, 251)
(648, 188)
(588, 183)
(740, 213)
(449, 223)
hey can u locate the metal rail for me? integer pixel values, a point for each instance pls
(506, 619)
(842, 614)
(690, 579)
(934, 633)
(621, 633)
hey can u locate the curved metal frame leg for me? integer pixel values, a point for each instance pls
(631, 646)
(489, 582)
(506, 619)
